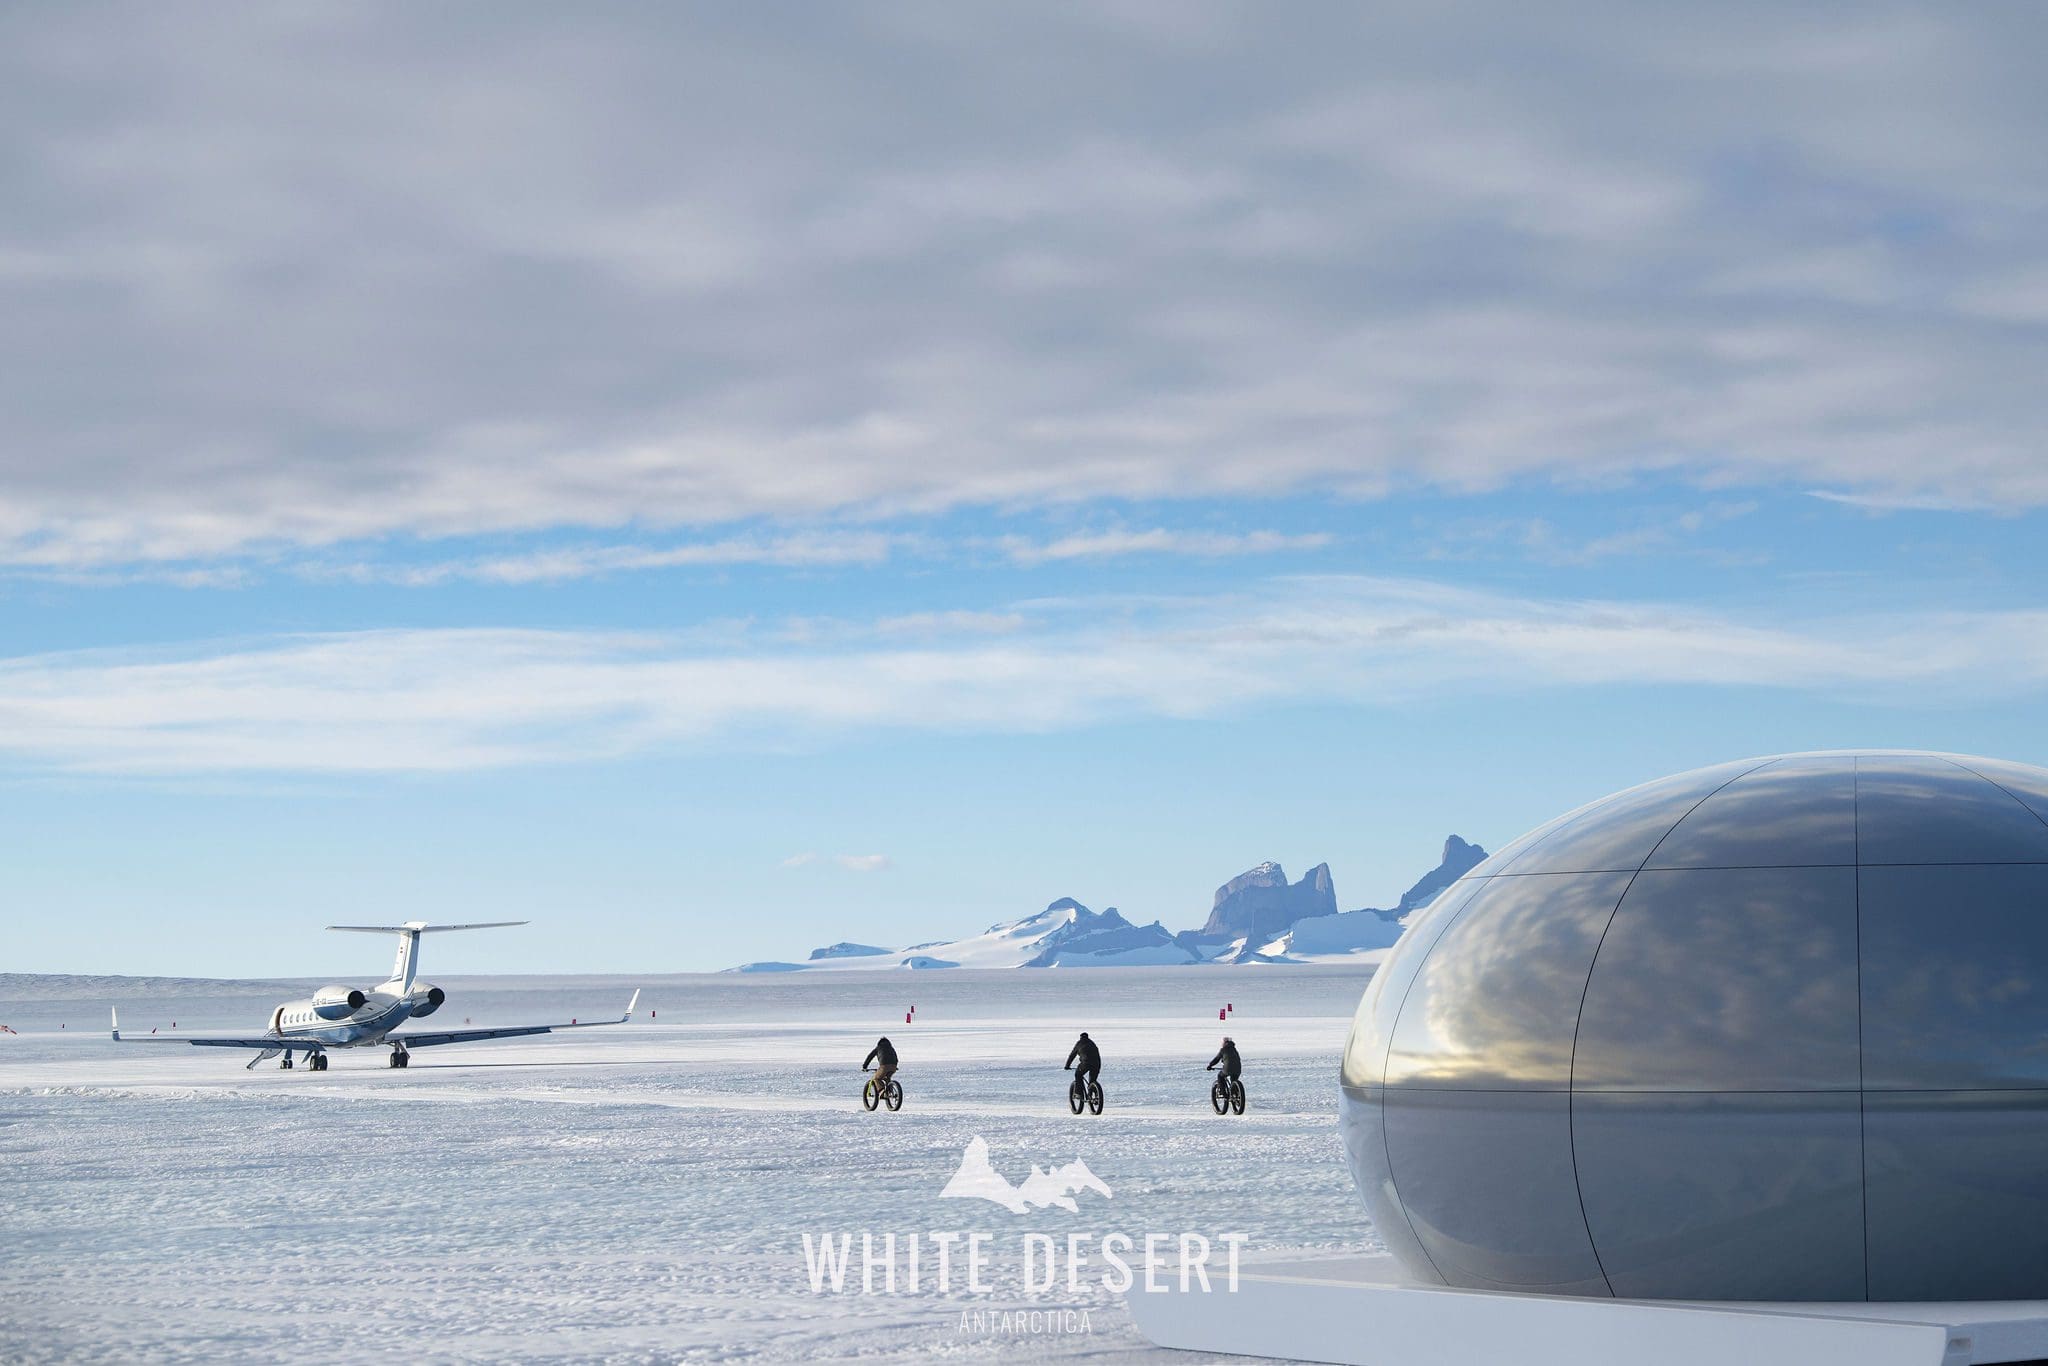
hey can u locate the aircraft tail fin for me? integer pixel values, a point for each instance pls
(407, 965)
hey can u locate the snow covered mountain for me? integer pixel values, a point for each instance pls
(63, 986)
(1459, 859)
(1261, 903)
(1064, 934)
(1256, 917)
(1367, 933)
(844, 949)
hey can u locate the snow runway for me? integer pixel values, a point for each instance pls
(639, 1194)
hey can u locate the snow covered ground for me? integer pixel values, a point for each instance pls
(640, 1193)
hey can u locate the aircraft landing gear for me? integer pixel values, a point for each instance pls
(285, 1062)
(399, 1057)
(318, 1062)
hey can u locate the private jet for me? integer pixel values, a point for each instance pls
(345, 1017)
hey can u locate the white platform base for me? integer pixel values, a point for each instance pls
(1360, 1312)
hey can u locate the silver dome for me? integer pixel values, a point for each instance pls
(1772, 1030)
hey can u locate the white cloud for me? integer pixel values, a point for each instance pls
(1901, 502)
(442, 700)
(890, 270)
(1159, 541)
(817, 550)
(810, 550)
(852, 863)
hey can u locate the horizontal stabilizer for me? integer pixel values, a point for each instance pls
(421, 927)
(407, 962)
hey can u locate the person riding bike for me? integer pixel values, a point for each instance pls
(1226, 1057)
(885, 1053)
(1090, 1058)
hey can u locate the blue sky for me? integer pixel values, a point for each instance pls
(716, 488)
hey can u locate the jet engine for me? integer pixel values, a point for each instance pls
(337, 1003)
(426, 999)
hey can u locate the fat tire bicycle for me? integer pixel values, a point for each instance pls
(882, 1091)
(1227, 1094)
(1090, 1096)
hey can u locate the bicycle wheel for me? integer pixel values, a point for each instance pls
(1218, 1097)
(1094, 1099)
(1237, 1097)
(895, 1096)
(1075, 1100)
(869, 1095)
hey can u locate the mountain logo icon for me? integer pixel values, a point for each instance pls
(977, 1179)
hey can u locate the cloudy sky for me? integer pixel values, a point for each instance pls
(723, 479)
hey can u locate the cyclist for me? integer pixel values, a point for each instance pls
(883, 1052)
(1226, 1057)
(1090, 1058)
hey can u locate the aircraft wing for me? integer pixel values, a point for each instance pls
(269, 1042)
(428, 1038)
(273, 1043)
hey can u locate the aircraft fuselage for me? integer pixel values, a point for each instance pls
(384, 1009)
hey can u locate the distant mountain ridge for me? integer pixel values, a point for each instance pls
(1256, 917)
(71, 986)
(844, 949)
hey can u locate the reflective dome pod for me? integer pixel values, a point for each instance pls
(1771, 1030)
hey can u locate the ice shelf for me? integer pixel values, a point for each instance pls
(1360, 1311)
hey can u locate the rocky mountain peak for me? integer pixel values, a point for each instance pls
(1460, 858)
(1261, 903)
(1266, 874)
(847, 949)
